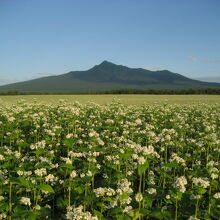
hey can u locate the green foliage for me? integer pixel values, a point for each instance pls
(46, 188)
(74, 161)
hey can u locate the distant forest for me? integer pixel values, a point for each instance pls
(208, 91)
(211, 91)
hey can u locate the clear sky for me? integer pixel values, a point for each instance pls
(45, 37)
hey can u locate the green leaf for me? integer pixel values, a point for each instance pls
(64, 165)
(25, 182)
(61, 203)
(142, 168)
(120, 217)
(157, 214)
(201, 191)
(98, 214)
(14, 180)
(170, 165)
(39, 152)
(136, 214)
(80, 189)
(107, 199)
(100, 204)
(46, 188)
(44, 212)
(116, 210)
(119, 175)
(25, 214)
(144, 212)
(68, 142)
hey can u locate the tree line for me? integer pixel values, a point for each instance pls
(208, 91)
(211, 91)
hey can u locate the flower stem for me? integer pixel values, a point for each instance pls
(176, 211)
(10, 198)
(197, 208)
(140, 180)
(209, 207)
(69, 196)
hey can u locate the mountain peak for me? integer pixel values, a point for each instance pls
(106, 63)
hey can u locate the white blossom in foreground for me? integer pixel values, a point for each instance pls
(99, 192)
(203, 182)
(127, 209)
(25, 201)
(3, 216)
(193, 218)
(73, 174)
(217, 195)
(151, 191)
(40, 172)
(78, 214)
(180, 183)
(138, 197)
(124, 187)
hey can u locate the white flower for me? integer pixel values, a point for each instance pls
(138, 121)
(20, 172)
(126, 200)
(177, 159)
(25, 201)
(203, 182)
(78, 214)
(214, 176)
(3, 216)
(73, 174)
(99, 192)
(168, 196)
(89, 173)
(217, 195)
(151, 191)
(2, 157)
(193, 218)
(67, 160)
(50, 178)
(138, 197)
(82, 175)
(104, 191)
(11, 119)
(130, 172)
(141, 160)
(180, 183)
(40, 172)
(69, 136)
(37, 207)
(127, 209)
(124, 187)
(1, 198)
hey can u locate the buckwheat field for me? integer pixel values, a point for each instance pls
(89, 161)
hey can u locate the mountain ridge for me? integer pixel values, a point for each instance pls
(107, 76)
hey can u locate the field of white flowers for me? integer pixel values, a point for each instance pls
(90, 162)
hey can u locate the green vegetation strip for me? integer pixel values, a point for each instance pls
(106, 99)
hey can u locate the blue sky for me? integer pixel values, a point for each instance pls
(44, 37)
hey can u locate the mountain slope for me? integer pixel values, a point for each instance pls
(107, 76)
(210, 79)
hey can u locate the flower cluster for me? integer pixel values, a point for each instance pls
(180, 184)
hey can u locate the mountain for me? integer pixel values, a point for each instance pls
(107, 76)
